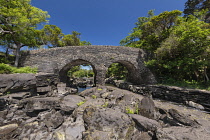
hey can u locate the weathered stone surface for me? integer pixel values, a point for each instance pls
(115, 122)
(145, 123)
(181, 118)
(53, 119)
(69, 102)
(170, 93)
(6, 129)
(195, 105)
(46, 103)
(46, 79)
(182, 133)
(44, 89)
(147, 108)
(17, 82)
(99, 113)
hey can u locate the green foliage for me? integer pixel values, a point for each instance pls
(185, 83)
(118, 71)
(71, 39)
(51, 35)
(18, 22)
(132, 111)
(84, 43)
(76, 71)
(80, 103)
(83, 73)
(177, 47)
(194, 6)
(7, 69)
(129, 111)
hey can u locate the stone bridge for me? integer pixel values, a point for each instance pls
(60, 60)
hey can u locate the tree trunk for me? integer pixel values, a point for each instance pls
(205, 73)
(6, 53)
(17, 54)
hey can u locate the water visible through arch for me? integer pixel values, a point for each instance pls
(78, 70)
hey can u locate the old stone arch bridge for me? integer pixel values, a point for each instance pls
(60, 60)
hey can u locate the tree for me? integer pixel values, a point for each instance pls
(150, 31)
(71, 39)
(179, 45)
(118, 71)
(185, 53)
(51, 36)
(18, 23)
(193, 6)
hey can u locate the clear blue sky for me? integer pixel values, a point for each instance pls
(102, 22)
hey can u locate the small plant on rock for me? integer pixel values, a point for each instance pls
(80, 103)
(105, 104)
(100, 89)
(129, 111)
(94, 96)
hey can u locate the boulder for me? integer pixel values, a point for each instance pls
(6, 129)
(145, 124)
(70, 102)
(114, 122)
(195, 105)
(181, 118)
(147, 108)
(17, 82)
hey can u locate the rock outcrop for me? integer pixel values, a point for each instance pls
(100, 113)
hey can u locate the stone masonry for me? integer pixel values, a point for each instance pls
(60, 60)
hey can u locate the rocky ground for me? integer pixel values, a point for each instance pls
(100, 113)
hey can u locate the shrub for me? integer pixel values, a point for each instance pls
(7, 69)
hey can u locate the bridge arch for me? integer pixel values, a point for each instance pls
(63, 72)
(130, 68)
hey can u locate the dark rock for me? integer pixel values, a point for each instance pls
(44, 79)
(17, 82)
(181, 118)
(53, 119)
(3, 104)
(181, 133)
(145, 123)
(34, 104)
(115, 122)
(69, 102)
(44, 89)
(142, 136)
(147, 108)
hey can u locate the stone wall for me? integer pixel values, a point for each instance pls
(191, 97)
(60, 60)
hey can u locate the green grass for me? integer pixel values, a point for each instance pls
(7, 69)
(186, 84)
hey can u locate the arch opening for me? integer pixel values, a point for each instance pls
(78, 74)
(120, 70)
